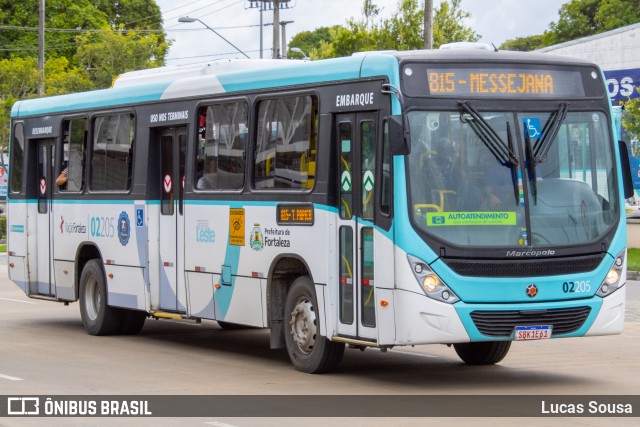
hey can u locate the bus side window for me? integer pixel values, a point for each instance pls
(285, 143)
(17, 158)
(73, 154)
(111, 155)
(221, 146)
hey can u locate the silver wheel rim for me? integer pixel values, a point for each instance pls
(303, 325)
(92, 298)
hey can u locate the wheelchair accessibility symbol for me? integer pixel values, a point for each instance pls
(533, 127)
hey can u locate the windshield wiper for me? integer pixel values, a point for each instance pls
(549, 133)
(503, 152)
(514, 169)
(531, 163)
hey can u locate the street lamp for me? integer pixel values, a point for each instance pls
(298, 50)
(186, 19)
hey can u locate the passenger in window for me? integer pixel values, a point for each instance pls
(61, 180)
(210, 178)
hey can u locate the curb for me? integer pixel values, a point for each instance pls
(633, 275)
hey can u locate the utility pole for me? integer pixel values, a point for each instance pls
(284, 37)
(276, 5)
(276, 29)
(41, 49)
(428, 24)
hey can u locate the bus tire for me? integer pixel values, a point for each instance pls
(482, 353)
(309, 352)
(97, 317)
(132, 321)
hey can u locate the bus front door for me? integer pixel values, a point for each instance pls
(41, 280)
(356, 142)
(173, 146)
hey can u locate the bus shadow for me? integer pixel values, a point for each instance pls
(410, 370)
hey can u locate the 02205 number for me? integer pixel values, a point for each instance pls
(580, 286)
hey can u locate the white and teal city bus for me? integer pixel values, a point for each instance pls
(463, 197)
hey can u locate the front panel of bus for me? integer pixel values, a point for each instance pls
(513, 214)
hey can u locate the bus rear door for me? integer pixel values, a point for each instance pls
(41, 277)
(173, 146)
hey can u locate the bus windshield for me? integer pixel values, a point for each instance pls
(493, 179)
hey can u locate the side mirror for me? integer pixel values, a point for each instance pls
(627, 180)
(399, 136)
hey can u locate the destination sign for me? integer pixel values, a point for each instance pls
(507, 82)
(295, 214)
(501, 81)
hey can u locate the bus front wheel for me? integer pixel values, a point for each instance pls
(482, 353)
(97, 317)
(308, 350)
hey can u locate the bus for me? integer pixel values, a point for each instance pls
(463, 197)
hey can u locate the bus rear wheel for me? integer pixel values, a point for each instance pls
(97, 317)
(482, 353)
(131, 321)
(308, 350)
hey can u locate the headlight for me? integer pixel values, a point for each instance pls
(430, 283)
(613, 281)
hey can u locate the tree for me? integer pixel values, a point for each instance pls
(65, 19)
(103, 36)
(448, 26)
(524, 44)
(581, 18)
(307, 41)
(59, 14)
(109, 53)
(402, 31)
(631, 117)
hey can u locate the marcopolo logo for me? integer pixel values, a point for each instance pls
(548, 252)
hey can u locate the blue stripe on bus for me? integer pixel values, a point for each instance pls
(293, 74)
(89, 100)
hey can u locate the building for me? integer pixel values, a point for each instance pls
(618, 54)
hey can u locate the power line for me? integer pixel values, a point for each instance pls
(92, 30)
(193, 10)
(162, 12)
(210, 55)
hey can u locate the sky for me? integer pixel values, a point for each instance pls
(494, 20)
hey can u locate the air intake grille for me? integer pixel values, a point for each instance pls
(524, 268)
(502, 323)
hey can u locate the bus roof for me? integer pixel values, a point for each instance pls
(239, 75)
(148, 86)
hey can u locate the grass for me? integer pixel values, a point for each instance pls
(3, 248)
(633, 262)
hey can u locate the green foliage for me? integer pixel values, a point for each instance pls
(307, 41)
(633, 259)
(3, 225)
(631, 117)
(581, 18)
(109, 53)
(87, 44)
(402, 31)
(448, 27)
(524, 44)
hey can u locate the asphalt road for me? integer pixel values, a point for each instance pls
(44, 350)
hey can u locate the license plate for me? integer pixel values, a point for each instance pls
(538, 332)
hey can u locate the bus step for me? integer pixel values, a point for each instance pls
(165, 315)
